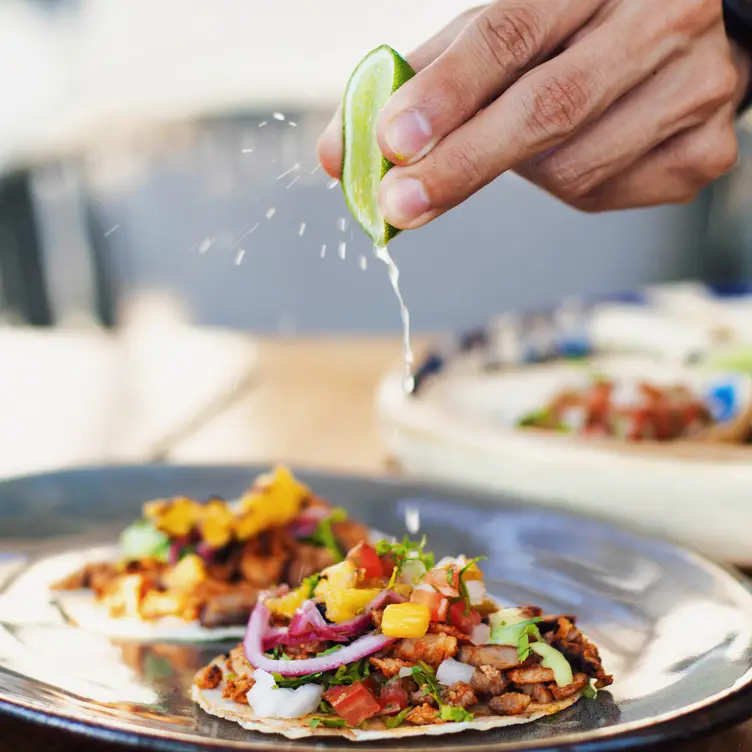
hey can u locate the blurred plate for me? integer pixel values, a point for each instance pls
(675, 630)
(459, 427)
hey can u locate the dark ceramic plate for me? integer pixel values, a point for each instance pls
(675, 630)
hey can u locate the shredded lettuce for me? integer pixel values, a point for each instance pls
(327, 722)
(453, 713)
(393, 721)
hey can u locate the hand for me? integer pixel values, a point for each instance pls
(606, 104)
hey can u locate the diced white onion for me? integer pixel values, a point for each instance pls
(412, 572)
(299, 702)
(451, 671)
(405, 671)
(263, 700)
(447, 561)
(480, 634)
(268, 701)
(263, 678)
(476, 591)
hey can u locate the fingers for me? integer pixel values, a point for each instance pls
(545, 107)
(675, 172)
(329, 145)
(680, 96)
(490, 53)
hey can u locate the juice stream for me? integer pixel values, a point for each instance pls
(408, 382)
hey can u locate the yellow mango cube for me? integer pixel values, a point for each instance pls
(175, 517)
(216, 524)
(186, 574)
(342, 605)
(404, 620)
(287, 605)
(274, 500)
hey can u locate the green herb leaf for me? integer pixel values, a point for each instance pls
(349, 674)
(329, 651)
(393, 721)
(523, 645)
(323, 536)
(590, 691)
(461, 586)
(452, 713)
(425, 677)
(401, 552)
(327, 722)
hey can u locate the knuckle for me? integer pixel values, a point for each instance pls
(557, 105)
(686, 198)
(589, 204)
(719, 84)
(711, 156)
(511, 37)
(463, 164)
(565, 177)
(451, 95)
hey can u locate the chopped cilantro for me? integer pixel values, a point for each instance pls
(590, 691)
(327, 722)
(329, 651)
(452, 713)
(426, 679)
(461, 586)
(348, 674)
(323, 536)
(401, 552)
(523, 645)
(392, 721)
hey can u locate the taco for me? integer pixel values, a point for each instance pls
(193, 570)
(387, 644)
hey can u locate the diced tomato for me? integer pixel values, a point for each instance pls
(393, 697)
(331, 695)
(387, 565)
(436, 602)
(463, 621)
(446, 581)
(355, 703)
(364, 557)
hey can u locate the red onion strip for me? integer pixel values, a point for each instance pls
(252, 643)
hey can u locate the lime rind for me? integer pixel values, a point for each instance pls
(381, 72)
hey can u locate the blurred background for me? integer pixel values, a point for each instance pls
(179, 281)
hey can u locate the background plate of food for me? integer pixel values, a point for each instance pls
(636, 409)
(672, 628)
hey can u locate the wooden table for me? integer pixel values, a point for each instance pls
(308, 403)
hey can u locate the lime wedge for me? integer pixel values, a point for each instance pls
(374, 80)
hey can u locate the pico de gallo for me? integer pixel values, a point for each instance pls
(208, 561)
(389, 636)
(635, 412)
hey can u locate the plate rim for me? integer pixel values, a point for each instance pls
(726, 709)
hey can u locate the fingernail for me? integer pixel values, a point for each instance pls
(403, 200)
(408, 135)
